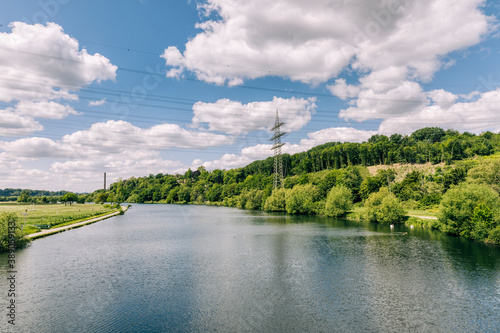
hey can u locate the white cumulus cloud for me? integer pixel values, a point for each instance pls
(12, 124)
(233, 117)
(44, 109)
(41, 62)
(313, 41)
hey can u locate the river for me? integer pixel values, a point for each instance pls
(184, 268)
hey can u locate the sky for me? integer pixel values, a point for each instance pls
(141, 87)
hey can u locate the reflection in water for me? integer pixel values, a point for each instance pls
(168, 268)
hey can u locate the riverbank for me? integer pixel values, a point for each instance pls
(57, 230)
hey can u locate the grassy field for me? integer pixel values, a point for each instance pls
(35, 217)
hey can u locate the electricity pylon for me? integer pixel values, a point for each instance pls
(278, 161)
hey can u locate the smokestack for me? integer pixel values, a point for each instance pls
(105, 181)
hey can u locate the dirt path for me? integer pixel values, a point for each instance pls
(425, 217)
(48, 232)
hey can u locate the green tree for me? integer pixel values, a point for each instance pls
(25, 196)
(101, 197)
(369, 185)
(184, 194)
(302, 199)
(254, 199)
(214, 193)
(69, 197)
(329, 181)
(384, 207)
(9, 224)
(469, 210)
(431, 134)
(111, 198)
(276, 202)
(352, 179)
(338, 201)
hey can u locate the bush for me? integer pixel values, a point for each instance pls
(301, 199)
(494, 236)
(276, 202)
(486, 173)
(384, 207)
(470, 210)
(338, 202)
(254, 199)
(5, 219)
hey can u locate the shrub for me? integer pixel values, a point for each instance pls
(384, 207)
(470, 210)
(486, 173)
(254, 199)
(494, 236)
(276, 202)
(5, 219)
(301, 199)
(338, 201)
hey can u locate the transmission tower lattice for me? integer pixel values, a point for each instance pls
(278, 162)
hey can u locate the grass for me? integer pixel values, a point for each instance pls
(51, 215)
(420, 212)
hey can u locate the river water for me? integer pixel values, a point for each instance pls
(175, 268)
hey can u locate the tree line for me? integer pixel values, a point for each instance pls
(333, 178)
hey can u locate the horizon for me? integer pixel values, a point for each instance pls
(164, 87)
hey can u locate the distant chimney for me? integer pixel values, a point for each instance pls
(105, 181)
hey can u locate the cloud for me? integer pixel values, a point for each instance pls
(35, 147)
(83, 174)
(235, 118)
(41, 62)
(116, 147)
(44, 109)
(97, 103)
(118, 136)
(476, 116)
(313, 41)
(12, 124)
(113, 138)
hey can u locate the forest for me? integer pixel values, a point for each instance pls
(450, 175)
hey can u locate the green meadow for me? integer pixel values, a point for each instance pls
(33, 218)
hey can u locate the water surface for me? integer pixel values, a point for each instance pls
(171, 268)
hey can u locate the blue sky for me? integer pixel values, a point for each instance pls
(141, 87)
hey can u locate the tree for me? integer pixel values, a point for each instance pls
(276, 202)
(25, 196)
(351, 178)
(329, 181)
(214, 193)
(431, 134)
(9, 226)
(369, 185)
(81, 199)
(470, 210)
(101, 197)
(254, 199)
(384, 207)
(338, 201)
(69, 197)
(111, 198)
(184, 194)
(301, 199)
